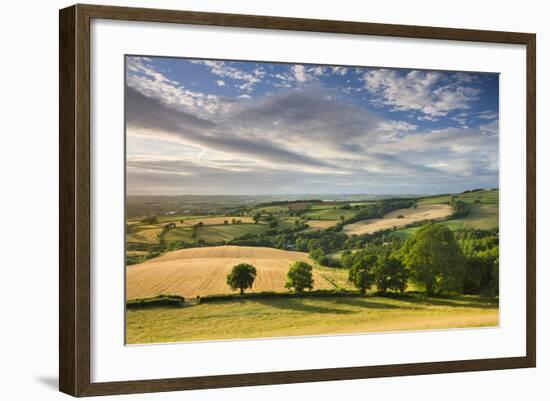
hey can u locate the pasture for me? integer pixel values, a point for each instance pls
(202, 271)
(213, 233)
(329, 214)
(288, 316)
(209, 221)
(393, 219)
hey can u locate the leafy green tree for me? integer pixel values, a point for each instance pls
(242, 276)
(317, 255)
(390, 274)
(434, 259)
(257, 217)
(361, 274)
(299, 277)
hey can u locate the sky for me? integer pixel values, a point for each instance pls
(209, 127)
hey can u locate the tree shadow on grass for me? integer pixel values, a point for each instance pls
(368, 304)
(455, 301)
(298, 305)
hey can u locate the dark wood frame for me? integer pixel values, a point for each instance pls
(74, 199)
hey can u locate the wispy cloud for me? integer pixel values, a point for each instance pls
(432, 94)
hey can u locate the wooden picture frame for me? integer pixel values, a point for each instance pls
(74, 203)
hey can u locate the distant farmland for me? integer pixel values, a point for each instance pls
(214, 233)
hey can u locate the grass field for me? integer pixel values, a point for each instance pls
(209, 221)
(329, 214)
(202, 271)
(269, 209)
(410, 215)
(214, 233)
(434, 200)
(306, 316)
(483, 197)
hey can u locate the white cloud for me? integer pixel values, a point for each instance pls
(317, 71)
(339, 70)
(300, 73)
(487, 115)
(153, 84)
(220, 82)
(420, 91)
(222, 69)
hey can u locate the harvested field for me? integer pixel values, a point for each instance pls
(321, 224)
(202, 271)
(148, 235)
(410, 215)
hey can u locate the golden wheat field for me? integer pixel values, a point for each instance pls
(203, 271)
(321, 224)
(410, 215)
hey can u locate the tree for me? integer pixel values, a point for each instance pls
(361, 274)
(434, 259)
(317, 255)
(390, 274)
(257, 218)
(299, 277)
(242, 276)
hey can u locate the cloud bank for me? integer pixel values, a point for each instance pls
(294, 129)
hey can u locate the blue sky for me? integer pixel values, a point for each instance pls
(246, 128)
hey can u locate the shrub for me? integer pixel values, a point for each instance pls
(159, 300)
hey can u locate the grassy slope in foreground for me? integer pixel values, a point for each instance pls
(306, 316)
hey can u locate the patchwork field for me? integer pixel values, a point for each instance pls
(147, 235)
(207, 221)
(306, 316)
(481, 216)
(329, 214)
(213, 233)
(202, 271)
(392, 219)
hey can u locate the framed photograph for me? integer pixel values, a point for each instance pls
(250, 200)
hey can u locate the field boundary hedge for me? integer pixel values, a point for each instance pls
(159, 300)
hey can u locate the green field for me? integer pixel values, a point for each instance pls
(329, 214)
(483, 197)
(269, 209)
(434, 200)
(214, 233)
(273, 317)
